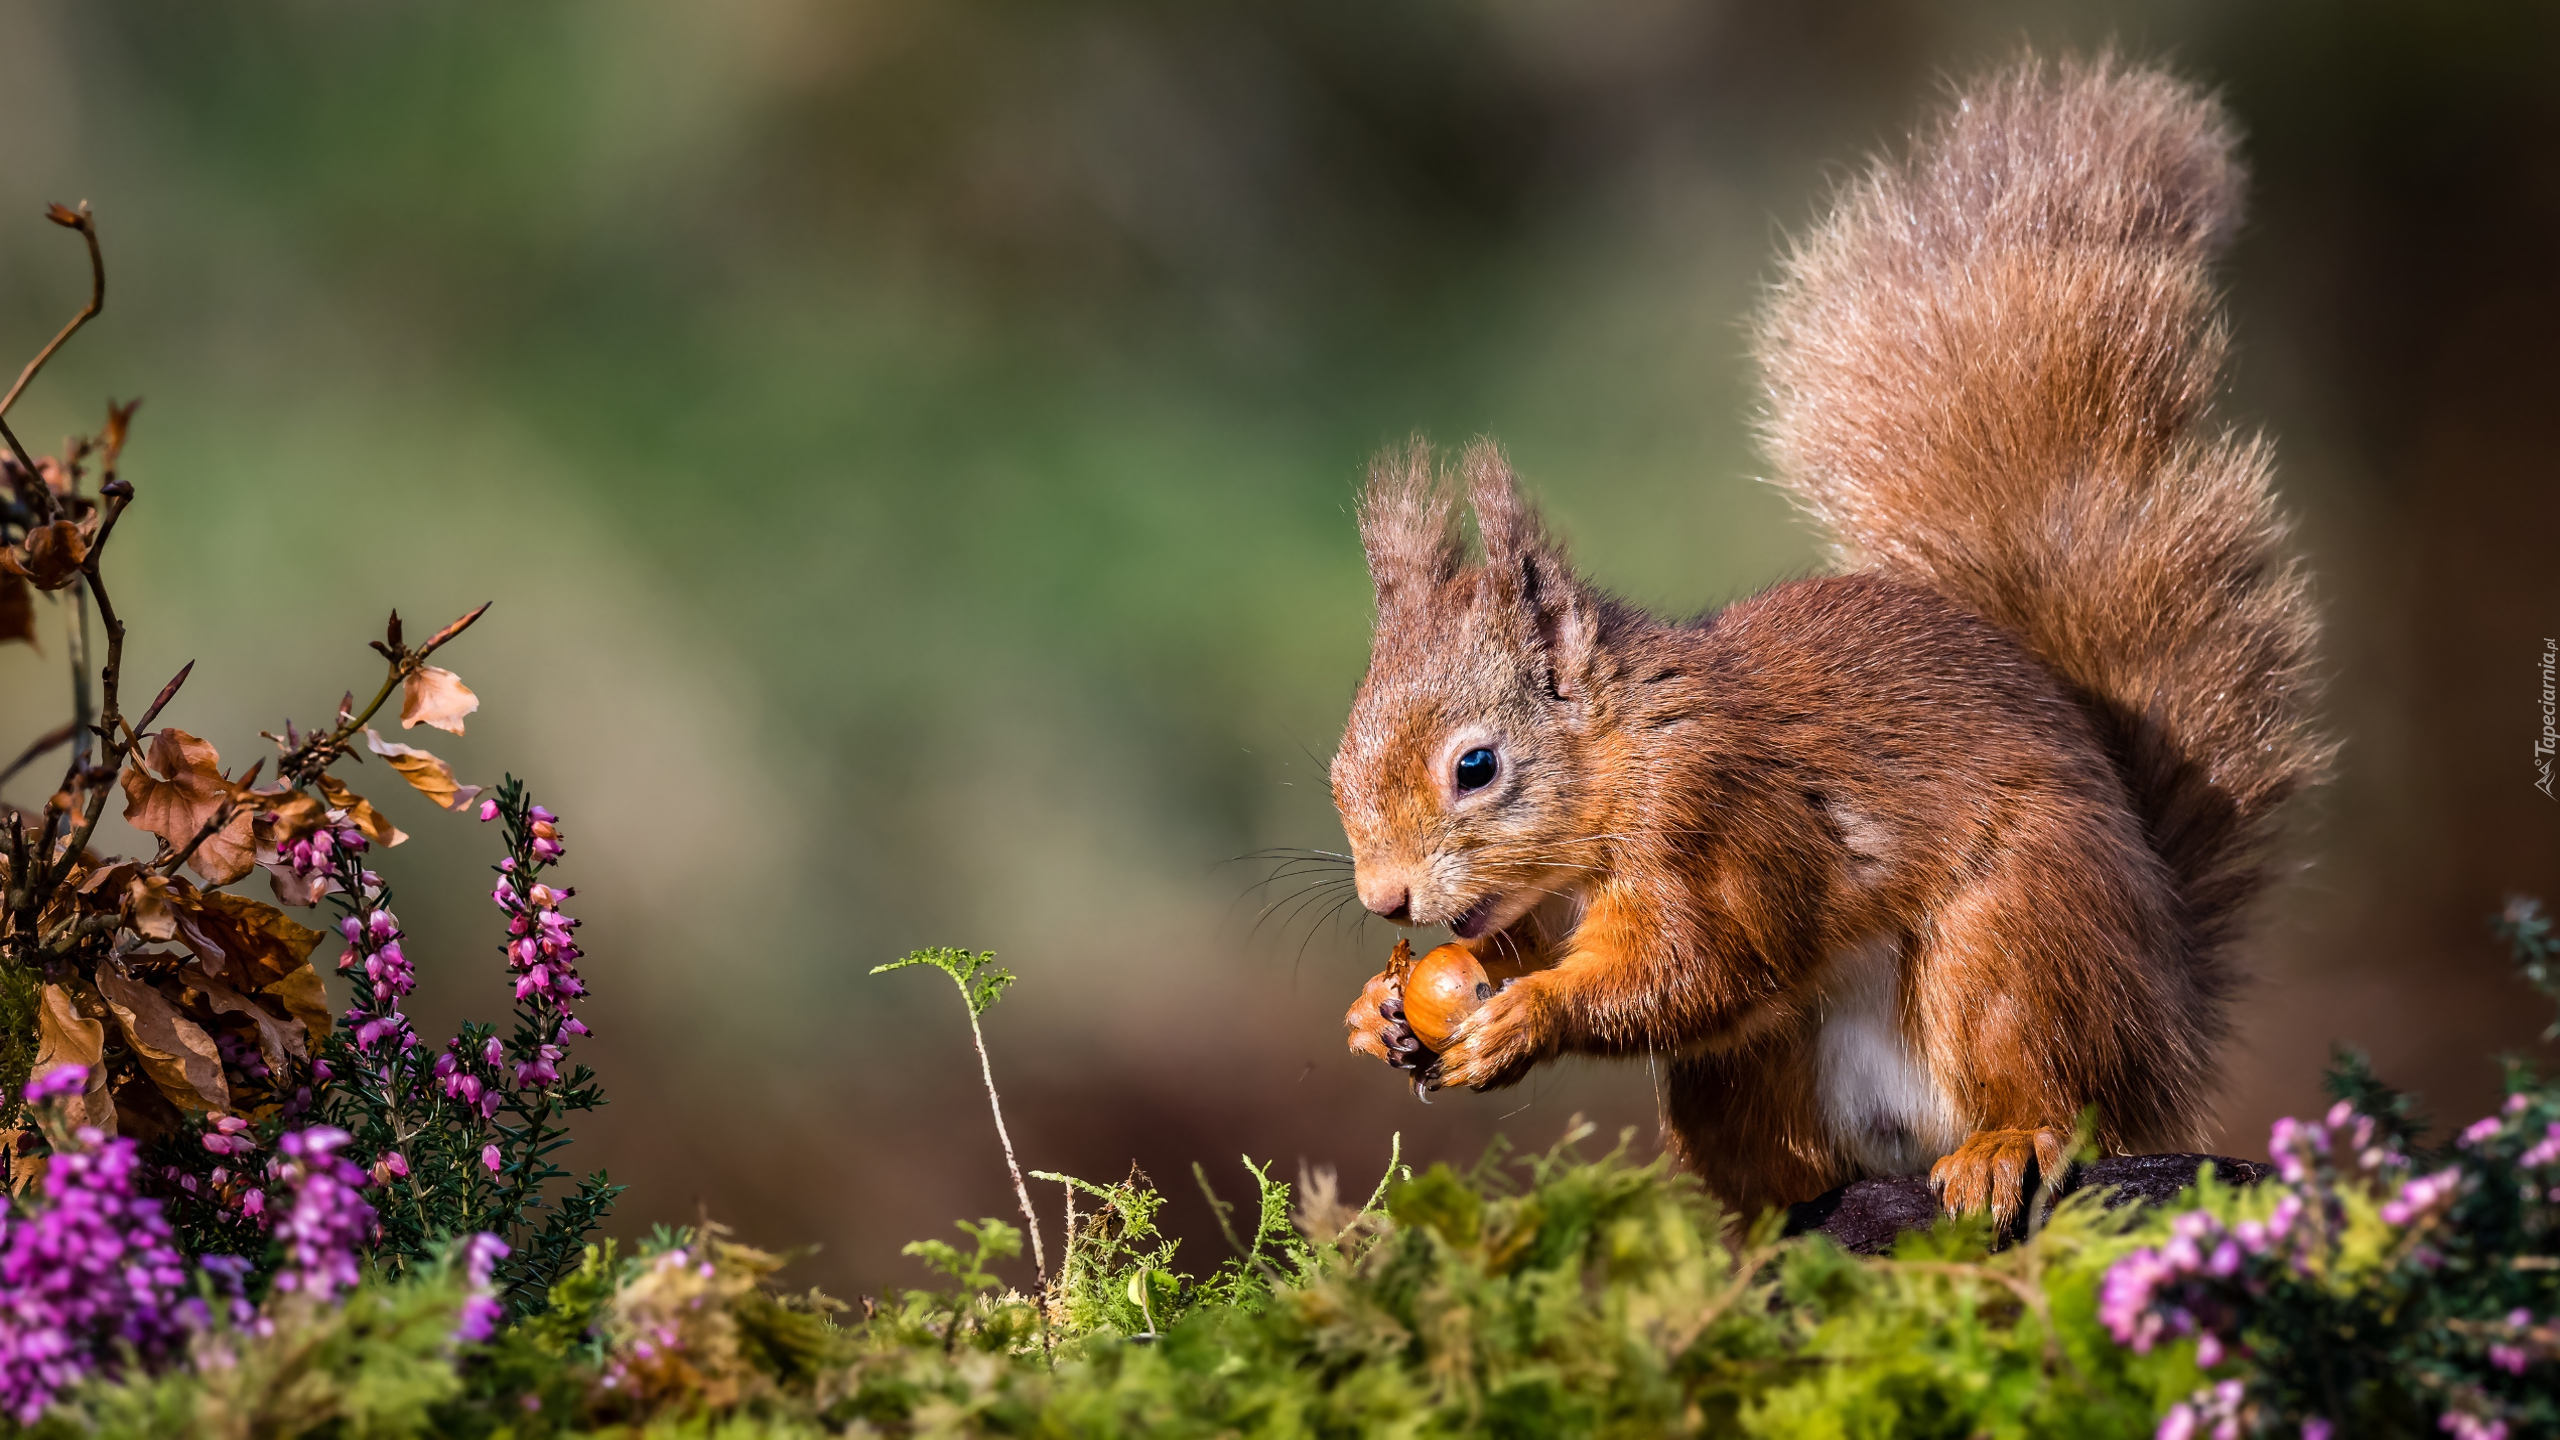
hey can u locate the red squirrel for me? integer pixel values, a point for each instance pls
(1912, 864)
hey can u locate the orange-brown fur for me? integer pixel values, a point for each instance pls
(1997, 793)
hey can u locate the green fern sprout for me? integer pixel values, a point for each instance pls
(981, 982)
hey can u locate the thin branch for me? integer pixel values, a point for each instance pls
(110, 678)
(43, 743)
(319, 752)
(79, 220)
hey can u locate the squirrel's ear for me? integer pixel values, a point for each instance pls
(1527, 573)
(1409, 524)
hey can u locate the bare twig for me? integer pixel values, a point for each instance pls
(79, 220)
(320, 751)
(43, 743)
(110, 678)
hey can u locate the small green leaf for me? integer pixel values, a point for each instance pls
(981, 980)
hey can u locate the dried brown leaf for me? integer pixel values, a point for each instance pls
(180, 792)
(280, 1041)
(64, 1036)
(435, 696)
(26, 1172)
(227, 853)
(104, 886)
(285, 818)
(292, 887)
(154, 910)
(119, 426)
(50, 556)
(247, 941)
(360, 812)
(306, 999)
(425, 773)
(17, 609)
(175, 1051)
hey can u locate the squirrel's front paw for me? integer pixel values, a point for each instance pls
(1498, 1044)
(1991, 1169)
(1377, 1024)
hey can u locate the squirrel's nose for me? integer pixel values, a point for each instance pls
(1387, 899)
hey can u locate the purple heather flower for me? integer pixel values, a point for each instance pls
(329, 1222)
(488, 811)
(85, 1280)
(60, 1082)
(2485, 1128)
(2317, 1427)
(481, 1309)
(489, 1157)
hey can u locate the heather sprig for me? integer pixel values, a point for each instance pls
(92, 1278)
(2442, 1271)
(463, 1137)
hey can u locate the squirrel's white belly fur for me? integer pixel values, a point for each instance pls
(1885, 1111)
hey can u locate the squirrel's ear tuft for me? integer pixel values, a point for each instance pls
(1526, 572)
(1409, 524)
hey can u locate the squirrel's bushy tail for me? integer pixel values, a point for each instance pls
(1991, 372)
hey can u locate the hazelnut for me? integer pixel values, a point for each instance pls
(1441, 989)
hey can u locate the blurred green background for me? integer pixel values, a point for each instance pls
(910, 447)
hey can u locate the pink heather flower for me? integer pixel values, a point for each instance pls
(489, 1157)
(488, 811)
(84, 1281)
(2178, 1424)
(2516, 1103)
(2208, 1350)
(481, 1308)
(2462, 1426)
(2510, 1358)
(543, 1069)
(2485, 1128)
(2420, 1196)
(2317, 1427)
(2545, 1151)
(60, 1082)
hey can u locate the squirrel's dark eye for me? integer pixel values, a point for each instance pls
(1475, 769)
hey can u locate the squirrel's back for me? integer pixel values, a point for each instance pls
(1991, 372)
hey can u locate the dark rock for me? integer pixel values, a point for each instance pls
(1866, 1215)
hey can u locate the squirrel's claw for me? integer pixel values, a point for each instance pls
(1499, 1044)
(1378, 1027)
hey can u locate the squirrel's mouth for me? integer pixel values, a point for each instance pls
(1478, 919)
